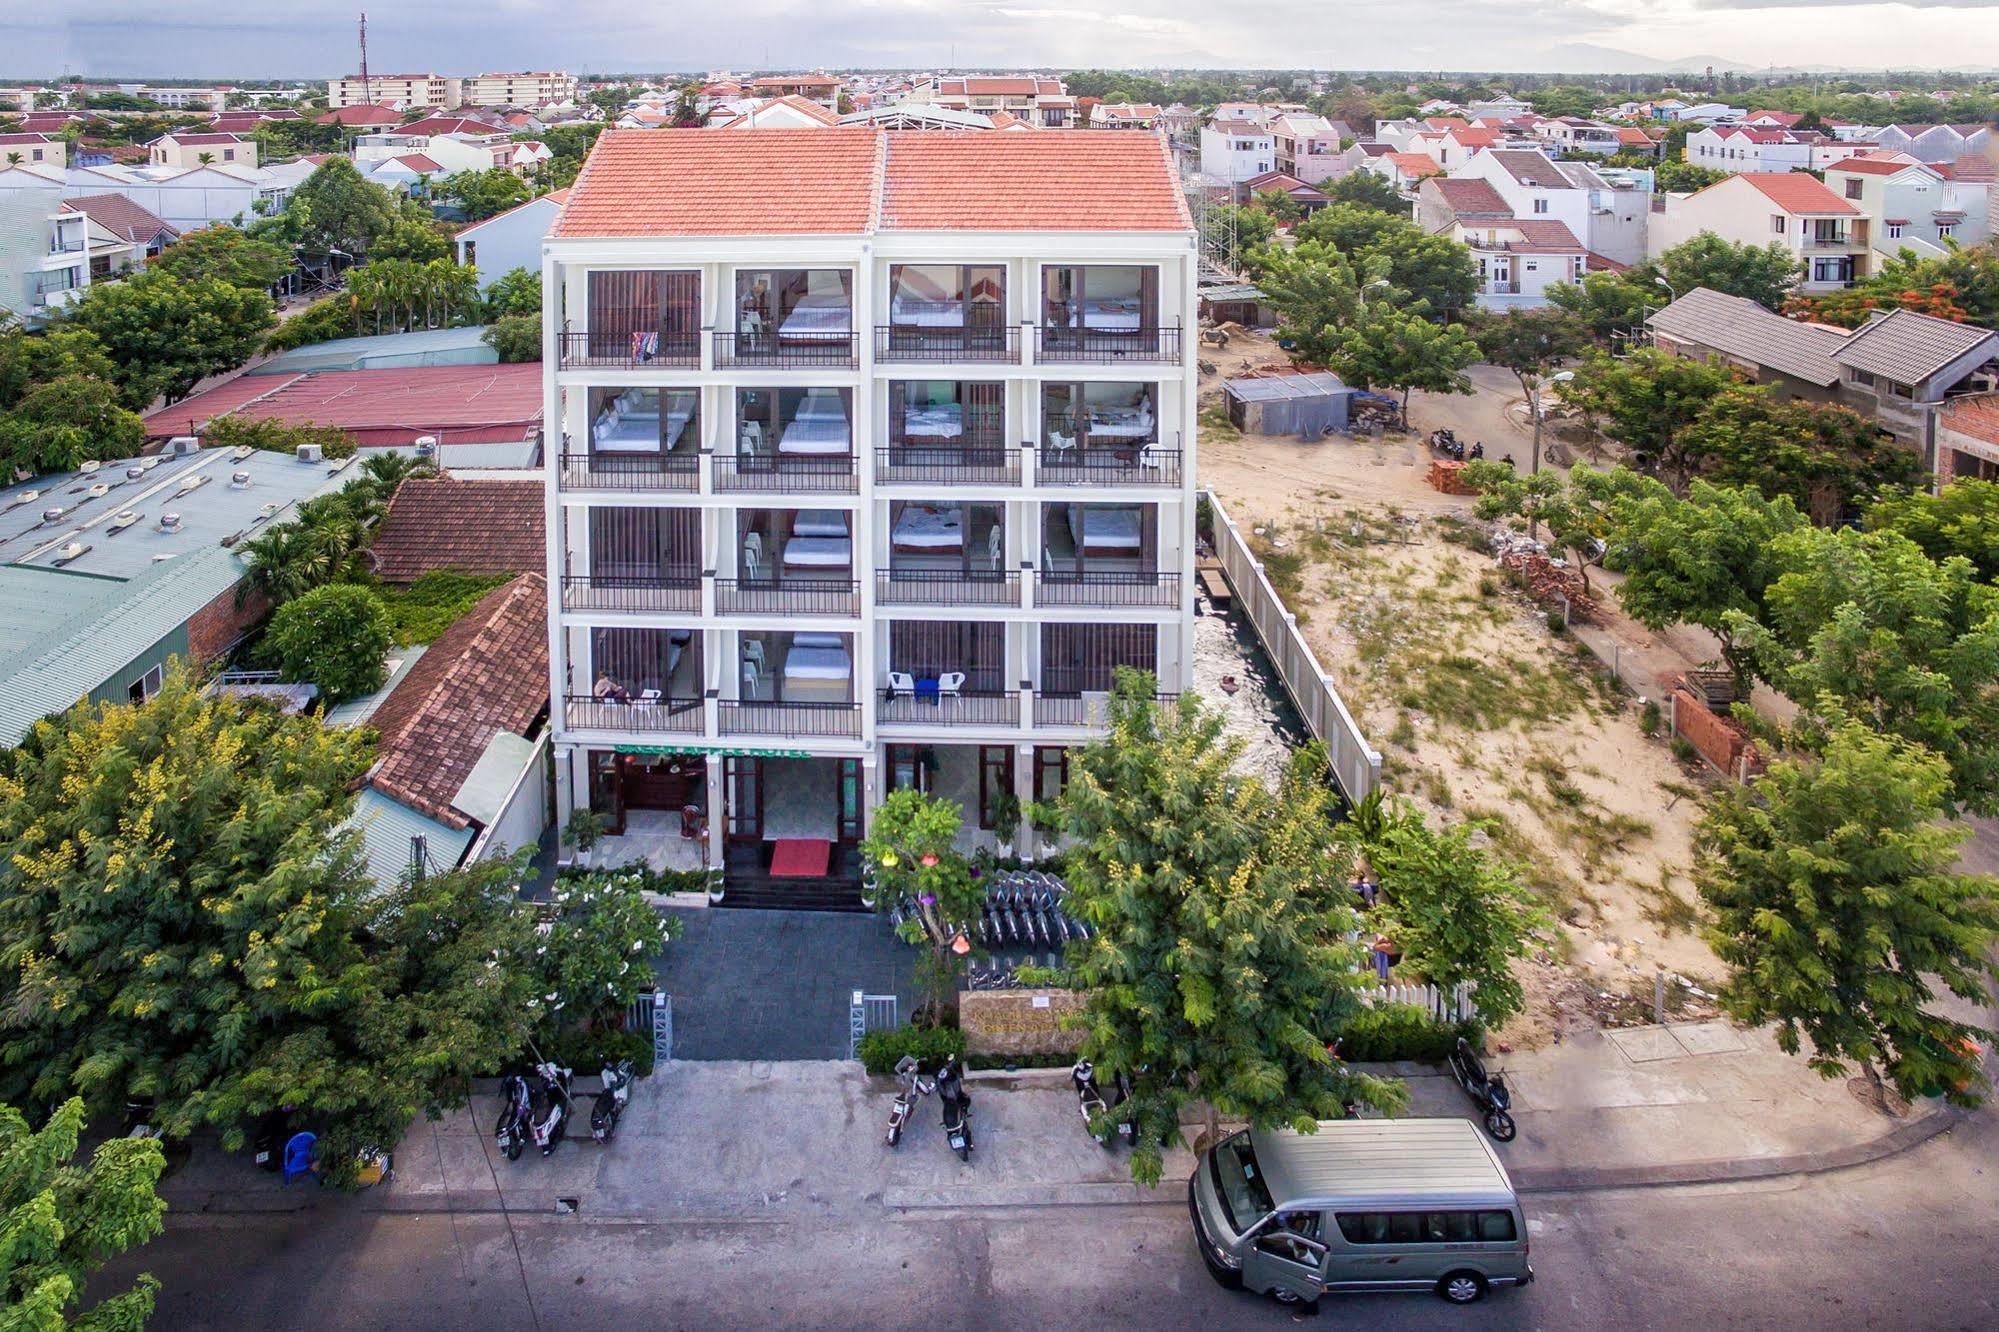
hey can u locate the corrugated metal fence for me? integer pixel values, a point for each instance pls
(1356, 764)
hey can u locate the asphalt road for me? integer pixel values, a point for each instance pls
(1905, 1243)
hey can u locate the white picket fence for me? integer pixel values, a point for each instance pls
(1356, 764)
(1453, 1006)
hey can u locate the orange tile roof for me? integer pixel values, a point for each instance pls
(853, 180)
(1796, 192)
(1416, 164)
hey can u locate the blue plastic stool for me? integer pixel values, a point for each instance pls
(298, 1155)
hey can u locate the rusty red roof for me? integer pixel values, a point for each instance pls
(456, 403)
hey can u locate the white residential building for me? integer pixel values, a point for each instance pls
(509, 240)
(1829, 235)
(531, 89)
(1044, 103)
(1573, 134)
(1238, 152)
(1736, 148)
(408, 92)
(186, 199)
(50, 253)
(1519, 258)
(193, 148)
(1912, 205)
(1609, 214)
(867, 482)
(49, 150)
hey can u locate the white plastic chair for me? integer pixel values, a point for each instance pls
(950, 683)
(901, 683)
(1149, 457)
(996, 548)
(753, 554)
(753, 650)
(1060, 442)
(753, 437)
(752, 680)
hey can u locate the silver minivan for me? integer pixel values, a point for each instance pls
(1362, 1204)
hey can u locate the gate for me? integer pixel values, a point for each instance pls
(653, 1011)
(866, 1013)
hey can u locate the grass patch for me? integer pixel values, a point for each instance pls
(422, 611)
(1215, 423)
(1668, 908)
(1557, 890)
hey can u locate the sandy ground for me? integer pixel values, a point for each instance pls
(1479, 709)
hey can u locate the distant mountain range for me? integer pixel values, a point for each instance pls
(1584, 58)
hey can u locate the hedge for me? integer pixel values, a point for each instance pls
(1387, 1032)
(880, 1051)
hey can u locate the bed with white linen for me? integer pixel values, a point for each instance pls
(817, 668)
(818, 553)
(929, 529)
(922, 312)
(1116, 421)
(1111, 314)
(818, 317)
(630, 424)
(820, 523)
(816, 437)
(1113, 532)
(933, 421)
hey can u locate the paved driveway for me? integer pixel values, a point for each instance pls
(777, 984)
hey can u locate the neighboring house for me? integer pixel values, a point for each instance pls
(1968, 439)
(788, 112)
(1792, 358)
(1042, 102)
(1237, 153)
(1706, 113)
(1519, 258)
(410, 92)
(530, 89)
(366, 116)
(460, 772)
(409, 173)
(476, 527)
(1404, 170)
(509, 240)
(108, 572)
(185, 200)
(1736, 148)
(1610, 212)
(1631, 139)
(201, 148)
(143, 230)
(1829, 235)
(377, 408)
(452, 152)
(775, 398)
(1932, 143)
(52, 251)
(1573, 134)
(821, 88)
(1912, 205)
(1308, 197)
(34, 149)
(1123, 115)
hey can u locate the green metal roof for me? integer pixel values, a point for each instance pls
(386, 828)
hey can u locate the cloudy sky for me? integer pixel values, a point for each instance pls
(315, 38)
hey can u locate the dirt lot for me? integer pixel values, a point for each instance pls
(1479, 709)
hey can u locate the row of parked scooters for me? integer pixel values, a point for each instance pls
(539, 1109)
(949, 1085)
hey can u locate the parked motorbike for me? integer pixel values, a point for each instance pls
(1120, 1098)
(552, 1123)
(510, 1134)
(1487, 1091)
(610, 1102)
(957, 1107)
(1446, 442)
(1090, 1099)
(914, 1089)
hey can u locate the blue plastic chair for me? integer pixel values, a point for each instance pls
(298, 1155)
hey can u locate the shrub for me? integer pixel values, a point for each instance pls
(1556, 624)
(1383, 1033)
(1649, 719)
(517, 338)
(881, 1050)
(334, 636)
(1684, 751)
(986, 1061)
(587, 1052)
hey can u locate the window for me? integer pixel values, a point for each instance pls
(1853, 188)
(228, 154)
(145, 686)
(1492, 1227)
(1777, 223)
(471, 258)
(1531, 265)
(1294, 1237)
(1051, 771)
(1894, 230)
(1946, 230)
(1540, 205)
(1239, 1183)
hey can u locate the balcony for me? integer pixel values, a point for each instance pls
(631, 471)
(947, 587)
(1091, 709)
(963, 345)
(628, 351)
(678, 716)
(786, 474)
(828, 348)
(945, 465)
(897, 708)
(790, 596)
(793, 721)
(1055, 345)
(1110, 589)
(605, 592)
(1104, 465)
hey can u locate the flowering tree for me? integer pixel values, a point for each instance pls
(595, 955)
(911, 857)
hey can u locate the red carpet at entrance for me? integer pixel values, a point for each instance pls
(799, 858)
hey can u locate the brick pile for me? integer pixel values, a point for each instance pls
(1447, 475)
(1548, 583)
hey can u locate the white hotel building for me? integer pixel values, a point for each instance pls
(871, 459)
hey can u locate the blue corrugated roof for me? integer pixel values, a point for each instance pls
(386, 828)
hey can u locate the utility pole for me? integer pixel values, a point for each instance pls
(367, 89)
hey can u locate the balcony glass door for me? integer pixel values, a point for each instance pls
(1083, 658)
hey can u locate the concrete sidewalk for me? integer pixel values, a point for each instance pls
(1687, 1103)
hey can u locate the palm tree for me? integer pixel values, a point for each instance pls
(14, 159)
(206, 159)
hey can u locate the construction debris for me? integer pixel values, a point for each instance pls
(1448, 476)
(1551, 583)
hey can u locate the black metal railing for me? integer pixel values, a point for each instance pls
(1080, 709)
(943, 465)
(739, 348)
(947, 587)
(1105, 346)
(615, 593)
(631, 471)
(799, 719)
(792, 596)
(1109, 465)
(1102, 587)
(990, 708)
(787, 474)
(634, 350)
(584, 712)
(948, 346)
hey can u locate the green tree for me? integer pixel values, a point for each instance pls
(1353, 228)
(1366, 189)
(1253, 228)
(1761, 273)
(516, 338)
(27, 361)
(335, 636)
(1707, 560)
(515, 292)
(274, 435)
(1960, 519)
(1676, 176)
(400, 295)
(1314, 291)
(337, 209)
(1609, 305)
(1221, 961)
(332, 317)
(1648, 398)
(1530, 343)
(226, 253)
(413, 239)
(484, 193)
(61, 1224)
(1280, 205)
(164, 336)
(1824, 457)
(1387, 347)
(597, 954)
(1435, 274)
(1580, 508)
(911, 859)
(66, 421)
(1838, 916)
(1865, 625)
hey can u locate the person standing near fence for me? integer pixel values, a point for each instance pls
(1380, 953)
